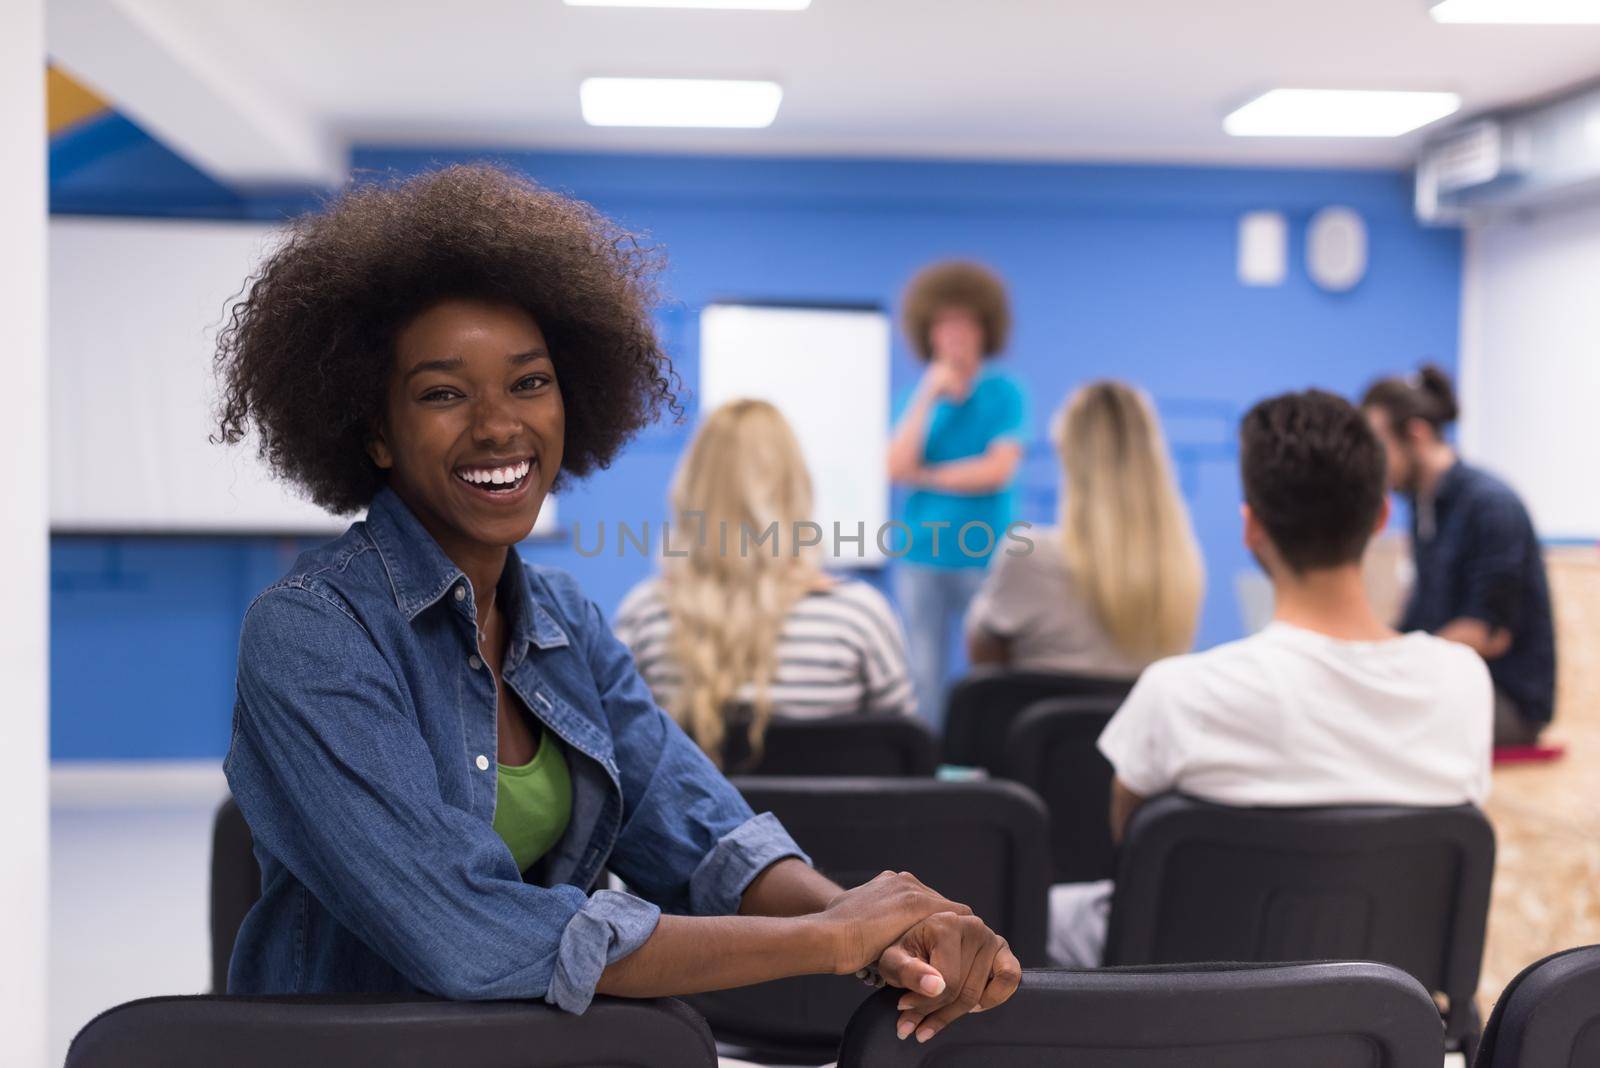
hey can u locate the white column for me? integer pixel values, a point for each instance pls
(1530, 361)
(24, 540)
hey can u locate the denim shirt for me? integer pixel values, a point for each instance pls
(363, 757)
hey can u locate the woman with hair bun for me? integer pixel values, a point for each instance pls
(1480, 570)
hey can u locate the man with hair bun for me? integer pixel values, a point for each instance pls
(956, 446)
(1480, 570)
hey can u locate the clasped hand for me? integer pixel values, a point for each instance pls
(947, 960)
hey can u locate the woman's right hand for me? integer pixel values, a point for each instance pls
(862, 922)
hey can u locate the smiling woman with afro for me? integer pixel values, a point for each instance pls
(437, 747)
(309, 347)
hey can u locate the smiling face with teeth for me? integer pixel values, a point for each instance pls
(473, 426)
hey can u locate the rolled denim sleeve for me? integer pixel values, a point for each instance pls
(688, 842)
(718, 884)
(336, 782)
(610, 926)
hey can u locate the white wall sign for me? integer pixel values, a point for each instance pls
(1263, 248)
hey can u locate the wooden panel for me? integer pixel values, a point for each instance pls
(1547, 816)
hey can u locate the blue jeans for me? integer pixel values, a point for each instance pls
(933, 601)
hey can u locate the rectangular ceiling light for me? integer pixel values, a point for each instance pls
(1338, 113)
(720, 5)
(678, 102)
(1529, 12)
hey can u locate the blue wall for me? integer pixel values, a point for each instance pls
(1125, 271)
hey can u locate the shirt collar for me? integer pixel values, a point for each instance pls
(1449, 484)
(1427, 507)
(421, 574)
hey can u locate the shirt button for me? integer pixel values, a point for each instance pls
(474, 662)
(461, 593)
(483, 762)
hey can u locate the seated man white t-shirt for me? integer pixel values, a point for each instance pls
(1293, 716)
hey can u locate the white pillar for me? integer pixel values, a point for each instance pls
(24, 540)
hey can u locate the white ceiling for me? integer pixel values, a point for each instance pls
(1058, 79)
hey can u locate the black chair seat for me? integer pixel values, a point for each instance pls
(1328, 1015)
(982, 707)
(235, 886)
(1406, 886)
(1052, 750)
(339, 1031)
(854, 744)
(1548, 1016)
(981, 843)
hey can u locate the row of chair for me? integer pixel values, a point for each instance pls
(1198, 883)
(1194, 882)
(1036, 729)
(1318, 1015)
(979, 715)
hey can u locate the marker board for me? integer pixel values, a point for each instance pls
(827, 370)
(135, 308)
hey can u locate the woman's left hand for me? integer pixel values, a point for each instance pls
(948, 965)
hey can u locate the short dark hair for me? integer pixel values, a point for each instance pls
(1313, 474)
(306, 355)
(956, 284)
(1426, 395)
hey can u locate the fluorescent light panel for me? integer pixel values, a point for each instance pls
(1530, 12)
(720, 5)
(1338, 113)
(678, 102)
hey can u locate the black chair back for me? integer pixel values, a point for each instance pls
(855, 744)
(337, 1031)
(983, 706)
(1330, 1015)
(981, 843)
(1406, 886)
(1051, 750)
(235, 886)
(1549, 1015)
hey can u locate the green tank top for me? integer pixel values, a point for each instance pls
(533, 802)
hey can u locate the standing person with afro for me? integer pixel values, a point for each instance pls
(956, 447)
(438, 748)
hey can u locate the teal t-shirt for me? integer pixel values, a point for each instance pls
(995, 410)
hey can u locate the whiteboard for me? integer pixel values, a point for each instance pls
(827, 371)
(135, 307)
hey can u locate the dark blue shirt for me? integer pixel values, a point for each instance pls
(1478, 558)
(363, 759)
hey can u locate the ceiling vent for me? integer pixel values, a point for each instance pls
(1510, 162)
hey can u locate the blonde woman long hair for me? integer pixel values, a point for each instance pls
(726, 596)
(1126, 533)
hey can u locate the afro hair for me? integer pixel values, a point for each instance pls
(956, 284)
(306, 355)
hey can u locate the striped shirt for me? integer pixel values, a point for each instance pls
(841, 650)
